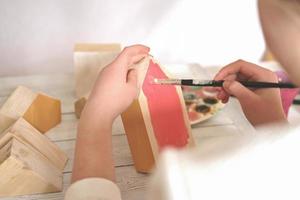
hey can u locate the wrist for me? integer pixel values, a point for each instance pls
(97, 113)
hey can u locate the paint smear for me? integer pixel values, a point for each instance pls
(165, 110)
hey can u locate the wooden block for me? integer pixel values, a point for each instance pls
(157, 119)
(24, 170)
(89, 59)
(79, 105)
(5, 122)
(31, 136)
(42, 111)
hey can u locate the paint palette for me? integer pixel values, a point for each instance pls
(200, 104)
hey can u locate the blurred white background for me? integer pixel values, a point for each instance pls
(37, 36)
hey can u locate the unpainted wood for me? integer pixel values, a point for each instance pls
(26, 171)
(18, 102)
(5, 122)
(89, 60)
(138, 139)
(28, 134)
(79, 105)
(44, 113)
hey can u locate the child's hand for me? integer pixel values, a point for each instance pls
(116, 86)
(260, 105)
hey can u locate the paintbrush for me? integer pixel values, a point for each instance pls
(213, 83)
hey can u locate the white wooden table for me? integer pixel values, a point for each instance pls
(229, 122)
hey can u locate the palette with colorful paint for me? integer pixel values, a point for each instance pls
(200, 103)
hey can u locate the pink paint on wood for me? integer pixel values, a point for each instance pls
(165, 110)
(287, 95)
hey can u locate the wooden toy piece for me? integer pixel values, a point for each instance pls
(41, 111)
(5, 122)
(157, 119)
(29, 135)
(79, 105)
(24, 170)
(89, 59)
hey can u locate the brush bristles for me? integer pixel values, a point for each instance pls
(166, 81)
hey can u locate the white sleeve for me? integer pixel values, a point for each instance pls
(93, 189)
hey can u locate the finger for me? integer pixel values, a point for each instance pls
(225, 100)
(131, 54)
(228, 77)
(223, 95)
(212, 89)
(244, 95)
(246, 69)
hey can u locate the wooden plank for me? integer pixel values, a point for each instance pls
(121, 152)
(68, 128)
(202, 133)
(131, 183)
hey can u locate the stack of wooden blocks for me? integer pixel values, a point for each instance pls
(29, 162)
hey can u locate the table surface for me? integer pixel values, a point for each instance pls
(230, 122)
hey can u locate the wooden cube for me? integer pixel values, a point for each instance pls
(40, 110)
(157, 119)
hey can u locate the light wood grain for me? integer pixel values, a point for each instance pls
(44, 113)
(121, 151)
(89, 60)
(26, 171)
(131, 183)
(27, 133)
(18, 102)
(41, 111)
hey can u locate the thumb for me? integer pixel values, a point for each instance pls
(132, 81)
(243, 94)
(132, 77)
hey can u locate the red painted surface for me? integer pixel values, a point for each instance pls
(165, 110)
